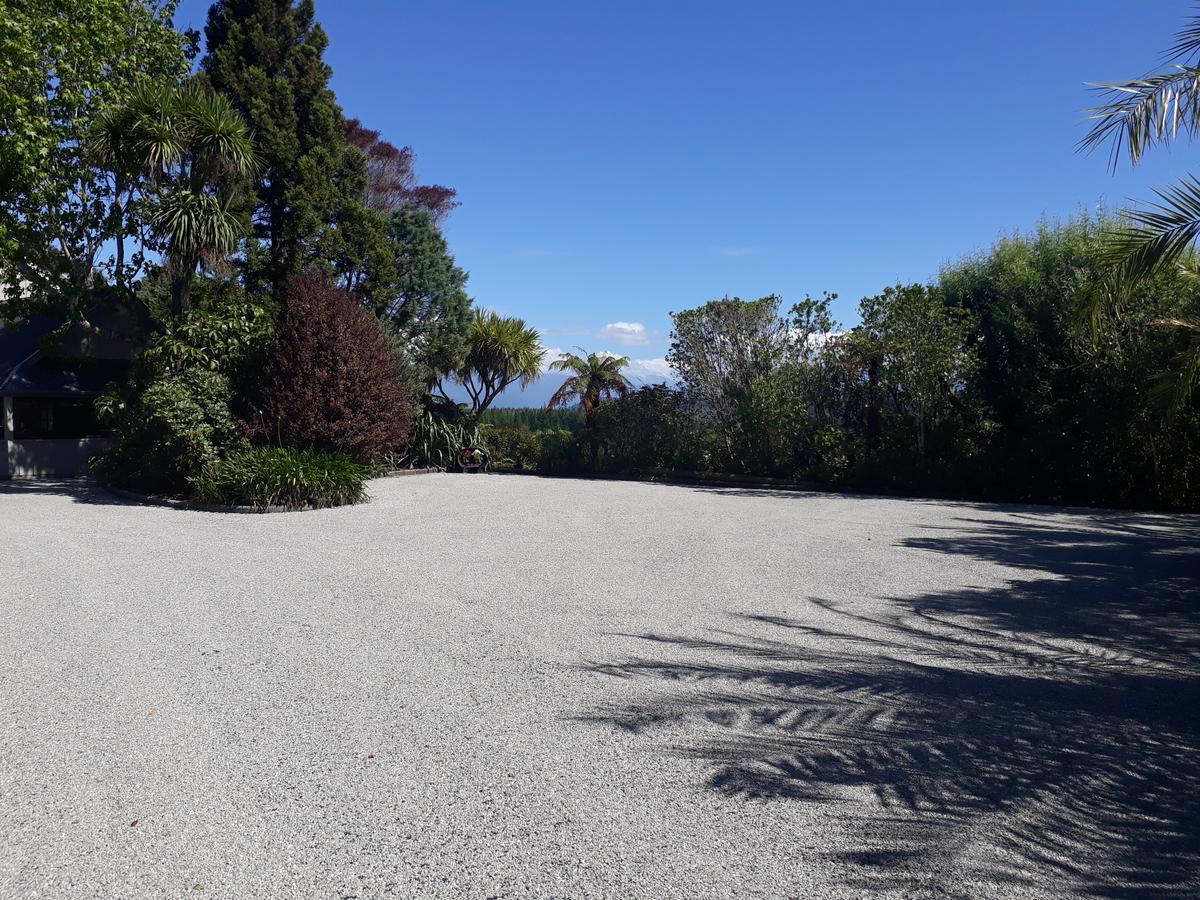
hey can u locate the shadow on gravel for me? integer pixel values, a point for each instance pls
(81, 490)
(1045, 736)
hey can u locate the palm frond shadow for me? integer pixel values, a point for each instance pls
(1046, 734)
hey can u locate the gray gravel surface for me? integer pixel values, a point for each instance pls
(504, 686)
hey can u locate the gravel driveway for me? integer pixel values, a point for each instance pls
(505, 686)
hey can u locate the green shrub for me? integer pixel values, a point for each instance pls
(559, 452)
(275, 476)
(167, 430)
(516, 448)
(177, 413)
(439, 434)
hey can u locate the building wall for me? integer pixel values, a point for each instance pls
(49, 456)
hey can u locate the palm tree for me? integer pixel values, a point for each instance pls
(1135, 116)
(596, 376)
(500, 352)
(192, 147)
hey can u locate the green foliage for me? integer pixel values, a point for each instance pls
(512, 448)
(1137, 115)
(534, 418)
(721, 351)
(231, 339)
(265, 57)
(439, 434)
(501, 351)
(276, 476)
(409, 279)
(176, 414)
(167, 429)
(1066, 410)
(559, 453)
(65, 61)
(594, 377)
(992, 382)
(654, 427)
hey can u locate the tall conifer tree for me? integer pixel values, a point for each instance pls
(266, 57)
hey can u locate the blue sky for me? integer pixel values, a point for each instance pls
(619, 160)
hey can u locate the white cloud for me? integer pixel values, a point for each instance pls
(639, 371)
(629, 334)
(552, 353)
(650, 371)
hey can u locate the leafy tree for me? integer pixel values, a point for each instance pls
(921, 342)
(391, 183)
(265, 56)
(191, 145)
(426, 301)
(64, 61)
(1056, 413)
(332, 382)
(500, 352)
(595, 377)
(1135, 116)
(720, 351)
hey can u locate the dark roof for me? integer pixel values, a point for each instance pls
(51, 377)
(26, 371)
(18, 343)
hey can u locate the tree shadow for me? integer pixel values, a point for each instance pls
(79, 489)
(1044, 736)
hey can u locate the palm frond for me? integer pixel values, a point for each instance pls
(1177, 385)
(196, 224)
(218, 133)
(1141, 113)
(1187, 39)
(1158, 236)
(569, 362)
(565, 395)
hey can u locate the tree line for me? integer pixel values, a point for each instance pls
(993, 381)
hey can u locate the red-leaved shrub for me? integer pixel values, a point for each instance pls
(332, 382)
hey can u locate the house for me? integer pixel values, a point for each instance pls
(50, 377)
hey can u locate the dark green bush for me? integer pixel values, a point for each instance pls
(177, 413)
(513, 448)
(559, 452)
(276, 476)
(167, 429)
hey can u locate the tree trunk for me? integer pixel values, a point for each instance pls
(181, 288)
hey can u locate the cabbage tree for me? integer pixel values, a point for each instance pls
(192, 148)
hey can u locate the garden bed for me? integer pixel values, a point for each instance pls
(199, 506)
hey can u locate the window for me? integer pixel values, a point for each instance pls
(38, 417)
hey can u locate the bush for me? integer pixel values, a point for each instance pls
(332, 382)
(177, 412)
(559, 452)
(274, 476)
(439, 433)
(166, 430)
(516, 448)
